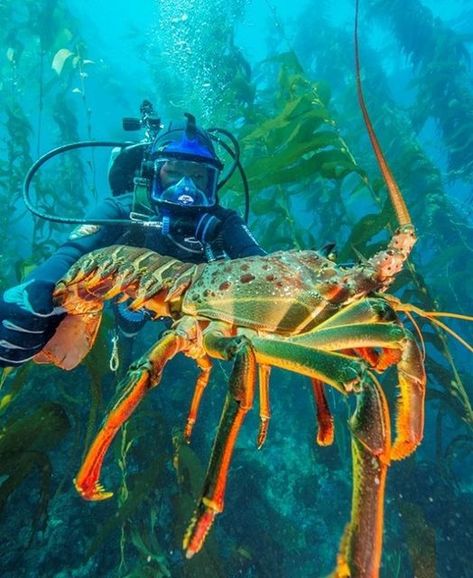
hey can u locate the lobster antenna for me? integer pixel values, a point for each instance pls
(432, 317)
(395, 194)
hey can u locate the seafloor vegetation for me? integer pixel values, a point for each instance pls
(313, 180)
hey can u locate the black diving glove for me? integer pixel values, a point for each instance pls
(28, 320)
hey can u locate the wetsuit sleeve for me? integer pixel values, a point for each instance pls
(237, 238)
(83, 239)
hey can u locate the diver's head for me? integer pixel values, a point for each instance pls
(186, 168)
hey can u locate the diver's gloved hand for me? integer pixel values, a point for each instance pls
(28, 320)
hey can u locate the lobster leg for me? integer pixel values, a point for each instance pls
(143, 375)
(265, 410)
(368, 323)
(410, 366)
(410, 411)
(324, 417)
(238, 402)
(202, 380)
(361, 547)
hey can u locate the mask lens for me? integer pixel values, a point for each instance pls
(184, 193)
(185, 183)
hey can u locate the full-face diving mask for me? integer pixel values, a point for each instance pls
(184, 183)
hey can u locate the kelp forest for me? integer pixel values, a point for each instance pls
(283, 81)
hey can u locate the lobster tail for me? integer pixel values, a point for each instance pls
(150, 280)
(72, 341)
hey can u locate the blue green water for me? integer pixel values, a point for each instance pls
(71, 71)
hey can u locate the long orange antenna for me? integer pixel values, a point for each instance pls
(395, 194)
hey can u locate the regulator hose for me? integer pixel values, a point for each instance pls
(69, 220)
(235, 154)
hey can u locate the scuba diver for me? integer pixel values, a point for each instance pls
(167, 185)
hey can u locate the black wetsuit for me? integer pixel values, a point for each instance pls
(233, 238)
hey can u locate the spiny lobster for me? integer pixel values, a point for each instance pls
(295, 310)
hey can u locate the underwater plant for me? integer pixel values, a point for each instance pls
(24, 446)
(332, 323)
(290, 231)
(442, 62)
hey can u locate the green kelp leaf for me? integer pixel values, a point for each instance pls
(306, 239)
(292, 150)
(298, 109)
(278, 236)
(19, 125)
(60, 59)
(432, 339)
(357, 189)
(283, 176)
(403, 279)
(303, 132)
(336, 170)
(280, 173)
(326, 144)
(262, 206)
(276, 130)
(24, 443)
(145, 569)
(323, 92)
(289, 64)
(97, 363)
(140, 485)
(151, 551)
(448, 399)
(333, 156)
(189, 475)
(419, 298)
(287, 59)
(62, 37)
(23, 268)
(240, 89)
(363, 231)
(40, 430)
(420, 539)
(13, 381)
